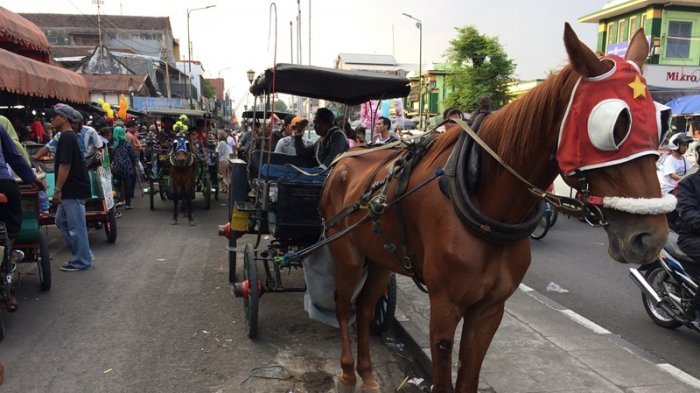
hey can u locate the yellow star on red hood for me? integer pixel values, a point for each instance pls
(638, 87)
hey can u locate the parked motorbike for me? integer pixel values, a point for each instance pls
(667, 288)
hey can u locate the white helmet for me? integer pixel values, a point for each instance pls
(677, 140)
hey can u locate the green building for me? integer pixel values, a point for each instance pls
(673, 31)
(435, 90)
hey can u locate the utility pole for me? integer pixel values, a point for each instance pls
(99, 34)
(299, 46)
(308, 100)
(291, 43)
(164, 58)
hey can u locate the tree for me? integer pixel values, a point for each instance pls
(478, 67)
(208, 89)
(280, 106)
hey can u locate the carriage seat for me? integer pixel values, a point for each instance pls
(288, 172)
(280, 159)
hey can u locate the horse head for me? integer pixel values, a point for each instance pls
(608, 146)
(180, 157)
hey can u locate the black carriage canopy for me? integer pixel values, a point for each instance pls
(262, 114)
(342, 86)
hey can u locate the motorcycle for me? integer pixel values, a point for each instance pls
(667, 287)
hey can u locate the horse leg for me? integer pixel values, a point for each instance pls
(189, 211)
(348, 273)
(479, 327)
(374, 287)
(444, 317)
(174, 220)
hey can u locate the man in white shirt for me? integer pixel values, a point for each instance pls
(675, 166)
(286, 144)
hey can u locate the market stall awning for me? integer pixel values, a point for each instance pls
(21, 75)
(19, 30)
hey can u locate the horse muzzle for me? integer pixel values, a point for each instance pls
(635, 238)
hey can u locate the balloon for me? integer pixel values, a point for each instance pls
(122, 106)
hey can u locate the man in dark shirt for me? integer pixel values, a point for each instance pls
(331, 142)
(71, 190)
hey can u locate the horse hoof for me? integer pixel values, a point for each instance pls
(341, 387)
(375, 389)
(173, 222)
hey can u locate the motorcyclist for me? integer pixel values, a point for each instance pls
(687, 224)
(675, 166)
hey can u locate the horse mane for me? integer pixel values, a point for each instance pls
(518, 131)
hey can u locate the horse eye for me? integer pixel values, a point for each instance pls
(622, 127)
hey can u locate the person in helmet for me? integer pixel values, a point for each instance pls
(675, 166)
(687, 225)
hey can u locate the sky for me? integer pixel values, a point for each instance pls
(238, 35)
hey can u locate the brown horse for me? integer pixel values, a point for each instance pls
(183, 167)
(469, 278)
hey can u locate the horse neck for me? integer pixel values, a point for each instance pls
(525, 135)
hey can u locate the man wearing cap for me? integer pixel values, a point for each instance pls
(71, 190)
(332, 140)
(89, 140)
(297, 124)
(131, 128)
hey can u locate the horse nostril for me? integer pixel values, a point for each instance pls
(640, 242)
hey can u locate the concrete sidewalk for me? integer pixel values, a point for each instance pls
(543, 347)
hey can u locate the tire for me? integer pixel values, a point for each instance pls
(250, 303)
(656, 277)
(151, 195)
(555, 216)
(2, 328)
(385, 309)
(206, 189)
(111, 226)
(232, 260)
(44, 263)
(542, 228)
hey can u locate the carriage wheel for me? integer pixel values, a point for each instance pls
(43, 264)
(250, 301)
(162, 187)
(111, 226)
(206, 189)
(151, 194)
(385, 309)
(232, 259)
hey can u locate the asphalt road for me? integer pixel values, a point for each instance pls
(574, 256)
(156, 314)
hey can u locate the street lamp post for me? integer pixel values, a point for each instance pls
(251, 75)
(189, 51)
(419, 25)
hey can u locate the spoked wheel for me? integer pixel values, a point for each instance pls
(111, 226)
(151, 194)
(385, 309)
(206, 189)
(656, 278)
(162, 187)
(250, 301)
(542, 227)
(232, 260)
(43, 264)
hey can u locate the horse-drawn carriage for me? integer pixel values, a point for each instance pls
(157, 157)
(272, 194)
(474, 198)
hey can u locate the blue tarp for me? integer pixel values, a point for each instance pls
(687, 105)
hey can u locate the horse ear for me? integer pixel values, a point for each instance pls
(638, 49)
(582, 59)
